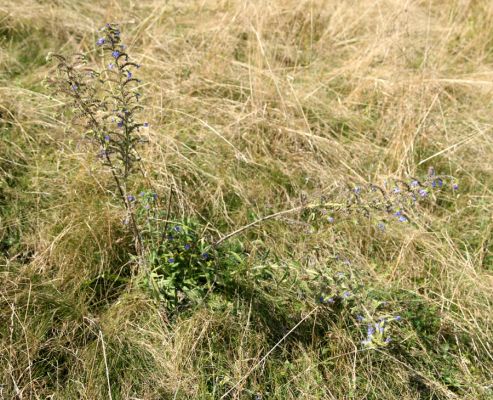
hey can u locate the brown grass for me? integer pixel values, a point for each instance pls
(253, 105)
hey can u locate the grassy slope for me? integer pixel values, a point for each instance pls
(252, 106)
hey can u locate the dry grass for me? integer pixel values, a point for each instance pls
(252, 105)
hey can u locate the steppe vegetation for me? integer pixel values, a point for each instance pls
(249, 109)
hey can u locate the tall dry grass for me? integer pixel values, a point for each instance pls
(253, 105)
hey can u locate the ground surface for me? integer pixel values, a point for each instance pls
(253, 106)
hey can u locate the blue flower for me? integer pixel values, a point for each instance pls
(205, 256)
(330, 300)
(402, 218)
(346, 294)
(370, 330)
(397, 317)
(398, 213)
(106, 138)
(129, 75)
(130, 198)
(145, 124)
(396, 190)
(100, 41)
(154, 196)
(187, 247)
(119, 124)
(359, 318)
(455, 186)
(357, 190)
(331, 219)
(110, 66)
(414, 183)
(423, 193)
(74, 87)
(171, 260)
(177, 228)
(115, 54)
(142, 194)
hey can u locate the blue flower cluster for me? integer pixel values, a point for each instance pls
(377, 332)
(338, 288)
(124, 98)
(390, 202)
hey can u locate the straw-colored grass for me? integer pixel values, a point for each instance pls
(253, 106)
